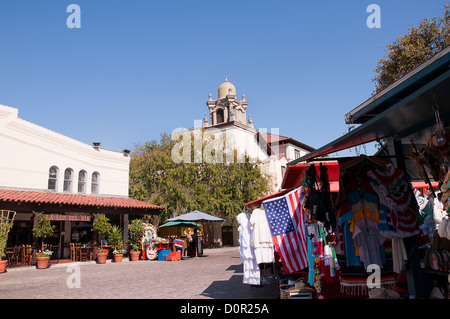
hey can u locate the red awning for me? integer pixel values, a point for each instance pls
(19, 196)
(260, 200)
(295, 173)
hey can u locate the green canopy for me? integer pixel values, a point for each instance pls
(180, 223)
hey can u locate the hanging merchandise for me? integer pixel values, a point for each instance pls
(357, 205)
(360, 223)
(286, 219)
(246, 251)
(262, 238)
(396, 202)
(426, 223)
(318, 197)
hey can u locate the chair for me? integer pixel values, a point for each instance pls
(83, 253)
(72, 251)
(26, 254)
(16, 255)
(77, 251)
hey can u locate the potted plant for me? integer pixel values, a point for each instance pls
(102, 226)
(5, 225)
(118, 255)
(42, 258)
(136, 230)
(102, 254)
(42, 230)
(115, 239)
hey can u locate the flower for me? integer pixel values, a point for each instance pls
(45, 253)
(119, 251)
(102, 251)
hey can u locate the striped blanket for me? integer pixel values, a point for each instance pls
(353, 279)
(178, 243)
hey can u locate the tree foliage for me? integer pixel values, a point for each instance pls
(101, 225)
(412, 49)
(216, 188)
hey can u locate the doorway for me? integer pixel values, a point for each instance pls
(227, 235)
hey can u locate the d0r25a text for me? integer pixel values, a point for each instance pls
(246, 308)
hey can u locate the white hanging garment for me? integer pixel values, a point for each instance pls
(246, 251)
(399, 255)
(262, 237)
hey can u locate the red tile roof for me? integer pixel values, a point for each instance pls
(8, 195)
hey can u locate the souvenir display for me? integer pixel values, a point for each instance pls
(435, 261)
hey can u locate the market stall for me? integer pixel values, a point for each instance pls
(196, 248)
(388, 214)
(410, 120)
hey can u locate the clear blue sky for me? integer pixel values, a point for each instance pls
(138, 68)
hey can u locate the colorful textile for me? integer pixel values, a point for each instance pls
(287, 224)
(178, 243)
(395, 202)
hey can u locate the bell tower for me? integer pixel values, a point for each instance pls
(227, 108)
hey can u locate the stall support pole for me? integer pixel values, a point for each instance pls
(413, 273)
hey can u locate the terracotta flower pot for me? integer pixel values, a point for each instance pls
(101, 258)
(135, 255)
(42, 262)
(118, 258)
(3, 264)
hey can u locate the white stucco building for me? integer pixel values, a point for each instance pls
(71, 182)
(36, 158)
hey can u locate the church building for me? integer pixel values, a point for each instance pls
(228, 114)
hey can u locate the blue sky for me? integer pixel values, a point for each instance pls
(138, 68)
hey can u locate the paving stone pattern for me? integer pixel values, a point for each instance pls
(217, 275)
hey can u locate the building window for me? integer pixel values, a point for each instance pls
(94, 184)
(219, 116)
(82, 182)
(53, 178)
(68, 180)
(297, 154)
(283, 171)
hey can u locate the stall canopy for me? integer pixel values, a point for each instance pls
(180, 223)
(295, 173)
(405, 110)
(196, 216)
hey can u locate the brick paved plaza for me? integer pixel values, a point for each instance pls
(217, 275)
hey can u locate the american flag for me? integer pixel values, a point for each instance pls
(287, 225)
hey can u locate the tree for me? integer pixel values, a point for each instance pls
(43, 229)
(212, 186)
(412, 49)
(5, 226)
(101, 225)
(136, 230)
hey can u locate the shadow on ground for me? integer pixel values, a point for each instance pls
(234, 288)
